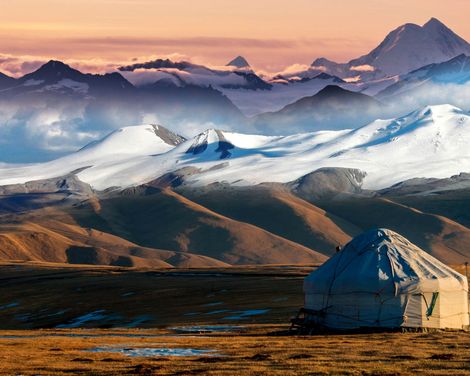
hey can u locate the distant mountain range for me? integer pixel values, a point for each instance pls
(249, 169)
(146, 197)
(239, 74)
(386, 150)
(54, 110)
(332, 108)
(406, 48)
(455, 71)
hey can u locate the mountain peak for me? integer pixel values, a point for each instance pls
(221, 146)
(410, 47)
(439, 110)
(56, 65)
(404, 49)
(332, 90)
(54, 70)
(433, 22)
(322, 61)
(239, 62)
(147, 139)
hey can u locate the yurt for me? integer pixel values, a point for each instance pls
(381, 280)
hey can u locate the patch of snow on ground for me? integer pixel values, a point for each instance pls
(151, 352)
(207, 328)
(78, 87)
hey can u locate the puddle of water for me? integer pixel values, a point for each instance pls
(207, 328)
(75, 335)
(151, 352)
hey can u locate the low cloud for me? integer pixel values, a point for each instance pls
(294, 69)
(363, 68)
(432, 94)
(197, 76)
(19, 65)
(15, 66)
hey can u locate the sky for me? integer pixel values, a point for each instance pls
(97, 35)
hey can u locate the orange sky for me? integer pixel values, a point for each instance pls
(271, 34)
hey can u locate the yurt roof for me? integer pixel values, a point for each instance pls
(380, 260)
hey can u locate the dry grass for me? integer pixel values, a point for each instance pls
(255, 352)
(166, 297)
(44, 297)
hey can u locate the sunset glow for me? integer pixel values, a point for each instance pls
(272, 34)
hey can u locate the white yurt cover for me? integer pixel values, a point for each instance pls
(380, 279)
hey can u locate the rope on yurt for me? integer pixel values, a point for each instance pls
(392, 269)
(325, 304)
(367, 248)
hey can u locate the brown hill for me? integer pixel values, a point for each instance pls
(442, 237)
(167, 220)
(278, 211)
(216, 226)
(49, 235)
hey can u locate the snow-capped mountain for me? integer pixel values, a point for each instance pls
(431, 142)
(182, 73)
(454, 71)
(282, 93)
(55, 77)
(406, 48)
(149, 139)
(56, 109)
(411, 46)
(115, 151)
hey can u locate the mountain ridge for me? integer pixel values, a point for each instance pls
(384, 149)
(404, 49)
